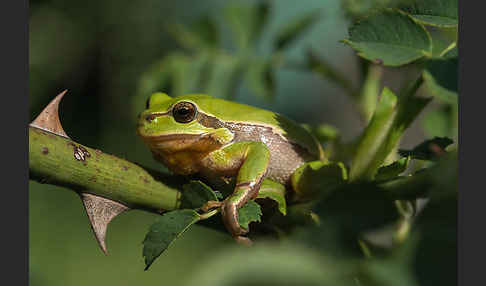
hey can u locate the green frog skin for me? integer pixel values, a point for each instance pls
(219, 139)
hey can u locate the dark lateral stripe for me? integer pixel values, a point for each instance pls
(247, 131)
(209, 121)
(157, 114)
(235, 127)
(152, 116)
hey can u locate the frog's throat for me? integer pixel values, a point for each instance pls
(182, 153)
(179, 142)
(173, 137)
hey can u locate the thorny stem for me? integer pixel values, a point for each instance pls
(60, 161)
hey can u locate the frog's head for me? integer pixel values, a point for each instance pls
(172, 124)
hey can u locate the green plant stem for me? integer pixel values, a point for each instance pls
(368, 98)
(209, 214)
(388, 123)
(52, 160)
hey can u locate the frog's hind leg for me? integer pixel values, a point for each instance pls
(315, 179)
(250, 163)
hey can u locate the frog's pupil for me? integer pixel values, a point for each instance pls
(184, 112)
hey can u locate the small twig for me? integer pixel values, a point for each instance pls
(209, 214)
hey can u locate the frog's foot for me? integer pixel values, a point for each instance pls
(229, 213)
(211, 205)
(243, 240)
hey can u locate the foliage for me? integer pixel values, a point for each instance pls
(374, 227)
(174, 223)
(429, 150)
(250, 212)
(164, 231)
(377, 197)
(390, 37)
(208, 66)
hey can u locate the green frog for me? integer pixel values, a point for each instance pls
(220, 139)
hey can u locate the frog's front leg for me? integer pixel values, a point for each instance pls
(249, 162)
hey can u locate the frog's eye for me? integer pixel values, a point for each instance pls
(184, 112)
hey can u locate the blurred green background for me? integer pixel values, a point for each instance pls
(98, 50)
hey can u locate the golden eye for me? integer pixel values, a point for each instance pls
(184, 112)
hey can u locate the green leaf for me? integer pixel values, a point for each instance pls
(393, 269)
(390, 120)
(262, 10)
(250, 212)
(350, 211)
(445, 72)
(274, 191)
(324, 133)
(187, 73)
(261, 79)
(176, 74)
(292, 30)
(207, 32)
(390, 37)
(325, 70)
(441, 79)
(453, 53)
(360, 8)
(440, 122)
(164, 231)
(428, 150)
(441, 43)
(436, 226)
(201, 34)
(246, 22)
(156, 78)
(392, 170)
(439, 13)
(317, 179)
(219, 195)
(437, 90)
(429, 182)
(195, 194)
(435, 230)
(223, 76)
(271, 265)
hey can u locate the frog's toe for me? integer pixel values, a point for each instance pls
(243, 240)
(239, 231)
(211, 205)
(229, 213)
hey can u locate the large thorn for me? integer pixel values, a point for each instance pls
(100, 212)
(48, 119)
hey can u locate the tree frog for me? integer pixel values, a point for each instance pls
(216, 138)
